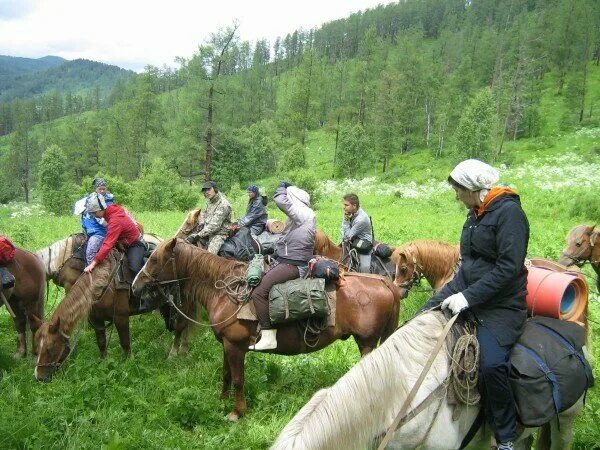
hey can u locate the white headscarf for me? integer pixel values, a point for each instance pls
(475, 175)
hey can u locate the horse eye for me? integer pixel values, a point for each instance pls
(578, 244)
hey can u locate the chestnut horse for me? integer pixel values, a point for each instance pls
(63, 259)
(93, 296)
(26, 299)
(191, 224)
(583, 246)
(367, 308)
(436, 261)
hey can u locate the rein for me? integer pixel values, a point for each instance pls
(402, 416)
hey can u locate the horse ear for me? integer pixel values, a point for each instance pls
(398, 257)
(591, 228)
(195, 216)
(54, 326)
(36, 321)
(171, 243)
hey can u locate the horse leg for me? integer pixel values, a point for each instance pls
(366, 344)
(122, 325)
(180, 327)
(236, 356)
(226, 377)
(100, 330)
(35, 310)
(20, 321)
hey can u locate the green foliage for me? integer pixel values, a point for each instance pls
(304, 179)
(122, 191)
(473, 137)
(291, 157)
(57, 193)
(352, 152)
(159, 189)
(585, 204)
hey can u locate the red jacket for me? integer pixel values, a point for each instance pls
(7, 250)
(121, 227)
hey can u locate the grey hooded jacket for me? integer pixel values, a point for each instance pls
(298, 241)
(358, 226)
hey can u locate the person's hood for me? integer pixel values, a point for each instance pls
(298, 195)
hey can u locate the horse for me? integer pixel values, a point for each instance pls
(64, 260)
(26, 299)
(367, 308)
(93, 296)
(191, 224)
(358, 409)
(326, 247)
(583, 246)
(436, 261)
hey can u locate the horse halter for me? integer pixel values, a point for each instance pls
(416, 277)
(66, 351)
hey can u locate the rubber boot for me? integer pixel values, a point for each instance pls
(268, 341)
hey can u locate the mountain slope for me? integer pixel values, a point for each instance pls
(13, 65)
(76, 75)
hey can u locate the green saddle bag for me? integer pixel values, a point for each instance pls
(298, 300)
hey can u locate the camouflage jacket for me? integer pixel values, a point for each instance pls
(217, 217)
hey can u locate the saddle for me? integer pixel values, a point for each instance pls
(381, 264)
(80, 241)
(549, 372)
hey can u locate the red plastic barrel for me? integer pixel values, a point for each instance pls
(561, 295)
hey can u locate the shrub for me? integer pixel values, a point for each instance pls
(57, 193)
(586, 204)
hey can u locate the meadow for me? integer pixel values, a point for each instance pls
(148, 401)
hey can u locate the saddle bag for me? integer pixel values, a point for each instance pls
(325, 268)
(383, 251)
(296, 300)
(362, 246)
(7, 279)
(549, 371)
(239, 246)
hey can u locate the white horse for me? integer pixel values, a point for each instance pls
(357, 410)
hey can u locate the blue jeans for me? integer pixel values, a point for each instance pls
(497, 396)
(93, 245)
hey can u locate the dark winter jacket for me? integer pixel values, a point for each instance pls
(297, 244)
(492, 275)
(256, 216)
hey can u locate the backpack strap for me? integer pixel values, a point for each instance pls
(556, 398)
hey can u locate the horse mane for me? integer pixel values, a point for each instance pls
(56, 254)
(83, 294)
(204, 268)
(325, 246)
(433, 256)
(363, 402)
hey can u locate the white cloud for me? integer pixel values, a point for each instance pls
(133, 33)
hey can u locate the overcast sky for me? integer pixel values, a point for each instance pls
(133, 33)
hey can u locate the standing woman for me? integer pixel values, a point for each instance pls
(491, 283)
(294, 251)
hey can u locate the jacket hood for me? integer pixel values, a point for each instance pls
(297, 194)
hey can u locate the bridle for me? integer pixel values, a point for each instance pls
(577, 259)
(416, 277)
(66, 351)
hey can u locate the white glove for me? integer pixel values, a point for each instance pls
(455, 303)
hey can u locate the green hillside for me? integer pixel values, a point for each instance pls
(13, 65)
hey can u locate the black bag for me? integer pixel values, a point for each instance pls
(362, 246)
(239, 246)
(383, 251)
(265, 200)
(7, 279)
(324, 268)
(298, 299)
(549, 372)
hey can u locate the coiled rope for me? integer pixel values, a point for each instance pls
(465, 368)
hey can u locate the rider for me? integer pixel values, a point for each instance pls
(491, 283)
(294, 250)
(95, 229)
(120, 228)
(256, 213)
(357, 231)
(217, 218)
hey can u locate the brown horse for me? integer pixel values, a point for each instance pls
(27, 297)
(64, 259)
(95, 297)
(436, 261)
(367, 308)
(583, 245)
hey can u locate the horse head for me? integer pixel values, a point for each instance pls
(159, 268)
(407, 270)
(191, 224)
(580, 242)
(53, 348)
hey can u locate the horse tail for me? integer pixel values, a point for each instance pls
(392, 323)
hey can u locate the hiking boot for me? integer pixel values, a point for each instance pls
(268, 341)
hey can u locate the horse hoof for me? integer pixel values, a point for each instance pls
(233, 417)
